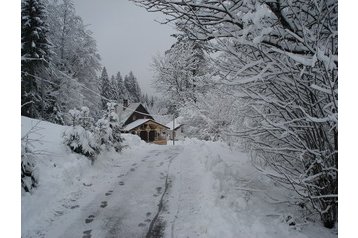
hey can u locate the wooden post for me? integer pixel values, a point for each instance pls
(173, 129)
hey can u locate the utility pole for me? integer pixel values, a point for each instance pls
(173, 129)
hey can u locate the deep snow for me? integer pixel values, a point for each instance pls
(193, 189)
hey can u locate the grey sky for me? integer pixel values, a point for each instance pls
(127, 36)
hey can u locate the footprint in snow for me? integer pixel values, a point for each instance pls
(58, 213)
(134, 164)
(87, 234)
(104, 204)
(147, 220)
(159, 189)
(142, 224)
(109, 193)
(89, 219)
(132, 169)
(148, 214)
(75, 206)
(121, 183)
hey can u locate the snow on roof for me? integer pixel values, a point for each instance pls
(177, 122)
(135, 124)
(125, 114)
(139, 122)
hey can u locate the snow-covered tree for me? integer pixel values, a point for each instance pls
(35, 56)
(85, 120)
(212, 117)
(280, 59)
(121, 89)
(106, 88)
(104, 134)
(132, 87)
(113, 120)
(76, 60)
(178, 74)
(79, 137)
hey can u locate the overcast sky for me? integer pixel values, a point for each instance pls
(127, 36)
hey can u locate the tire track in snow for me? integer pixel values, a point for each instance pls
(155, 230)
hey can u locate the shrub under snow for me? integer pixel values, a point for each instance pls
(81, 141)
(79, 137)
(29, 176)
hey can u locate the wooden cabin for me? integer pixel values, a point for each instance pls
(148, 130)
(135, 119)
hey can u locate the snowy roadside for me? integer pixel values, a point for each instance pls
(216, 192)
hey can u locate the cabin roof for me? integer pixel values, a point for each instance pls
(135, 124)
(125, 114)
(139, 122)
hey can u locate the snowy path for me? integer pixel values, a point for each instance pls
(126, 207)
(193, 189)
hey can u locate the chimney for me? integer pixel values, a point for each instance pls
(125, 104)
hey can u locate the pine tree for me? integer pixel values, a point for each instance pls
(132, 86)
(122, 91)
(105, 88)
(114, 89)
(35, 55)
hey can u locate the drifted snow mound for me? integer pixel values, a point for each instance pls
(234, 199)
(132, 140)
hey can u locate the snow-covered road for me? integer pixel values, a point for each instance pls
(193, 189)
(127, 207)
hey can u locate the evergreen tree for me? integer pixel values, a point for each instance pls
(132, 86)
(79, 137)
(122, 91)
(114, 89)
(105, 88)
(35, 55)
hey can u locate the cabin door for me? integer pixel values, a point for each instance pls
(151, 136)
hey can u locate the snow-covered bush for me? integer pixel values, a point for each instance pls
(103, 133)
(81, 141)
(85, 138)
(114, 125)
(108, 129)
(85, 120)
(79, 136)
(29, 175)
(73, 117)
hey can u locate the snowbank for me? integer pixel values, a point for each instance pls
(66, 179)
(230, 198)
